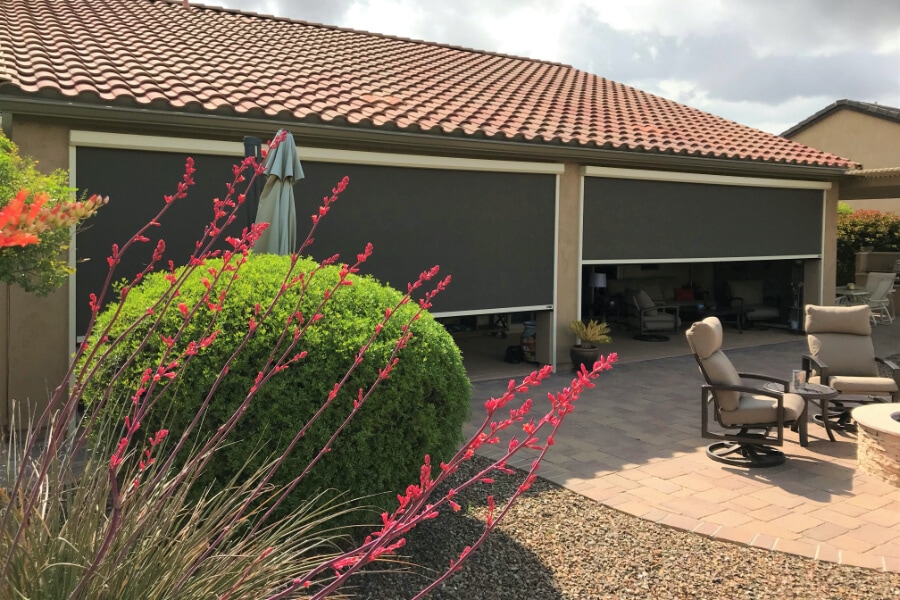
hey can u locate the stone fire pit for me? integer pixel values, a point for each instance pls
(878, 440)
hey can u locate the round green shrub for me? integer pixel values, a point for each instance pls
(419, 410)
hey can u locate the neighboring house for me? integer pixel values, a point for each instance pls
(866, 133)
(516, 175)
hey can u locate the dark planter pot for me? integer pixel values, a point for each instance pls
(584, 355)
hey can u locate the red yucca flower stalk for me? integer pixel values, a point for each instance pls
(137, 482)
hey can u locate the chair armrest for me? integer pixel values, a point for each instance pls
(777, 380)
(668, 308)
(809, 361)
(750, 389)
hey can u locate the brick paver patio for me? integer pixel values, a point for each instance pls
(634, 444)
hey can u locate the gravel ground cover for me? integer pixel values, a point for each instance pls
(556, 544)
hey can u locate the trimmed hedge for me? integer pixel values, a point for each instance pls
(881, 230)
(419, 410)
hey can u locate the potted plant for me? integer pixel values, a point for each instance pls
(587, 350)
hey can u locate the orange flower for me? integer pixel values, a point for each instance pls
(21, 224)
(18, 227)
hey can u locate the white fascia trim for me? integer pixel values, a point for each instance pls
(73, 295)
(154, 143)
(581, 263)
(492, 311)
(688, 259)
(554, 316)
(416, 161)
(615, 173)
(198, 146)
(822, 249)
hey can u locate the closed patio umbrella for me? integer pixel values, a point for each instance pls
(276, 202)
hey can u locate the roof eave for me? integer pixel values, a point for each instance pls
(399, 141)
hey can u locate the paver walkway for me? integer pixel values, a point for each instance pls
(633, 443)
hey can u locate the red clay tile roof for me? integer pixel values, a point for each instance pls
(159, 54)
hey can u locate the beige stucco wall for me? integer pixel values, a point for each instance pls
(568, 264)
(34, 331)
(881, 204)
(869, 140)
(828, 265)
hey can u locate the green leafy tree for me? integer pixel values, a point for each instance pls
(41, 267)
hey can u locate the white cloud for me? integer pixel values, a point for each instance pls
(394, 17)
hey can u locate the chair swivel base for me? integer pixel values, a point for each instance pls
(751, 456)
(837, 421)
(839, 416)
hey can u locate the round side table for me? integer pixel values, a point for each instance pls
(808, 391)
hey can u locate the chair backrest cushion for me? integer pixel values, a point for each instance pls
(845, 354)
(643, 300)
(705, 339)
(853, 320)
(841, 337)
(750, 291)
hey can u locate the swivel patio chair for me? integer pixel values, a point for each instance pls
(751, 410)
(653, 319)
(842, 356)
(747, 296)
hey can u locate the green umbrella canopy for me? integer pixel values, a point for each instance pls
(276, 202)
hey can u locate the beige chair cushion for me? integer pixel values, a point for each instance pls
(720, 371)
(756, 408)
(853, 320)
(662, 321)
(844, 354)
(750, 291)
(859, 385)
(705, 337)
(643, 300)
(762, 312)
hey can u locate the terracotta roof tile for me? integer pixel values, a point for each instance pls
(156, 52)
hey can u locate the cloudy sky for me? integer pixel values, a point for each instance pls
(764, 63)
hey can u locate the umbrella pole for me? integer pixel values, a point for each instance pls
(253, 147)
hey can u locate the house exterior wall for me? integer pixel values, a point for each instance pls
(34, 354)
(828, 265)
(568, 268)
(36, 332)
(870, 140)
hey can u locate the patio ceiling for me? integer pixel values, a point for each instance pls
(871, 184)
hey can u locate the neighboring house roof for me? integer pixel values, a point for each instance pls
(888, 113)
(198, 59)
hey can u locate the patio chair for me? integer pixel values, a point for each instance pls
(653, 318)
(747, 296)
(751, 410)
(842, 356)
(879, 300)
